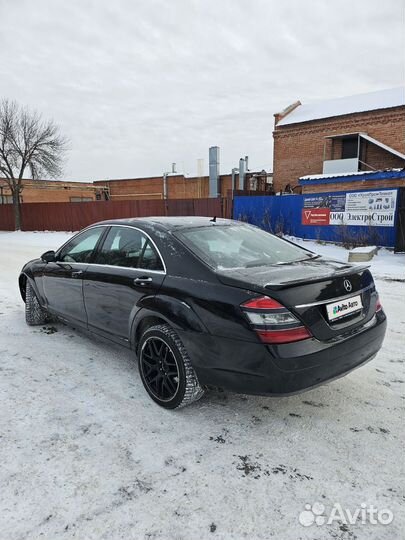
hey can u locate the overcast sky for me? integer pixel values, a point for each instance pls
(136, 85)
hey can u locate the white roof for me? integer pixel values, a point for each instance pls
(338, 175)
(382, 99)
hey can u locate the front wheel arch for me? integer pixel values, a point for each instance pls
(23, 279)
(22, 284)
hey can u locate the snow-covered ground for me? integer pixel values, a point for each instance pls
(384, 265)
(84, 453)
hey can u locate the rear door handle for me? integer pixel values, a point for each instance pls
(77, 274)
(142, 280)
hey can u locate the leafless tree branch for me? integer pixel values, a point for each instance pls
(29, 145)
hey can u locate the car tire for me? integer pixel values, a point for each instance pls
(161, 354)
(34, 313)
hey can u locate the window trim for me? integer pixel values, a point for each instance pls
(94, 250)
(100, 243)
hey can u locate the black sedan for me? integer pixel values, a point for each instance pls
(210, 302)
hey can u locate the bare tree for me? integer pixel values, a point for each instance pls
(29, 145)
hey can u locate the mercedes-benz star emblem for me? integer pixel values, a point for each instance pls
(347, 285)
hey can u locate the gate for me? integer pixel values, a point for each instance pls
(400, 240)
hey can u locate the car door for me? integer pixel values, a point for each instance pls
(126, 267)
(63, 278)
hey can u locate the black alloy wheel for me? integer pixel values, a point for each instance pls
(165, 368)
(159, 368)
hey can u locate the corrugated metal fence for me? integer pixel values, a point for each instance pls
(74, 216)
(400, 245)
(6, 217)
(285, 215)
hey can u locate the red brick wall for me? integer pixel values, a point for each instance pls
(379, 158)
(299, 148)
(130, 189)
(361, 185)
(178, 187)
(52, 190)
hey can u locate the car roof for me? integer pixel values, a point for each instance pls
(171, 223)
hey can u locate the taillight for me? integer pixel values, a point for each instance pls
(378, 305)
(284, 336)
(273, 322)
(262, 302)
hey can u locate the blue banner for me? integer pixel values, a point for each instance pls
(370, 216)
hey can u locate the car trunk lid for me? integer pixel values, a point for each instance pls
(307, 287)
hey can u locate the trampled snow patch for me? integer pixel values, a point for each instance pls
(85, 454)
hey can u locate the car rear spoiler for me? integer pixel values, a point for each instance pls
(347, 271)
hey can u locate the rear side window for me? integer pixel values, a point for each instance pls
(81, 247)
(150, 258)
(240, 246)
(128, 247)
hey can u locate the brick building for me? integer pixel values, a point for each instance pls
(173, 186)
(178, 186)
(53, 191)
(166, 186)
(340, 137)
(356, 181)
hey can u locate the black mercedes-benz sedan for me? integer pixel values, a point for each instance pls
(210, 302)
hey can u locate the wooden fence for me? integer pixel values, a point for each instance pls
(74, 216)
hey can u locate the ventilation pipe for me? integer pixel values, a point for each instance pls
(242, 174)
(214, 171)
(235, 170)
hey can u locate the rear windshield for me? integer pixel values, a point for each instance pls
(236, 246)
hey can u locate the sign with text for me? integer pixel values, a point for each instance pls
(315, 216)
(370, 208)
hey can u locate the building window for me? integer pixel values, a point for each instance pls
(349, 147)
(81, 199)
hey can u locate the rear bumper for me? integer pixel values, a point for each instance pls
(254, 368)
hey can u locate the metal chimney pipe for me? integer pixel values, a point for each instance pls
(234, 171)
(242, 174)
(214, 171)
(173, 168)
(247, 162)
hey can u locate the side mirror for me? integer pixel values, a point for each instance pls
(48, 256)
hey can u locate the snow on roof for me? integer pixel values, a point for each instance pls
(382, 99)
(339, 175)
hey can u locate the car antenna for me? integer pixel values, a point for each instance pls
(214, 219)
